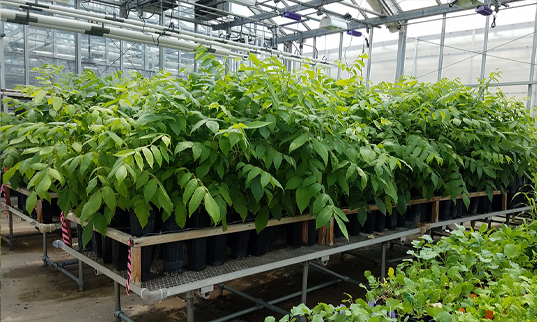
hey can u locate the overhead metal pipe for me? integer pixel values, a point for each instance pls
(144, 27)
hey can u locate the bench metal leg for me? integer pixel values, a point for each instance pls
(304, 282)
(190, 306)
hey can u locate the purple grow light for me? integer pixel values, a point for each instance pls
(292, 15)
(354, 33)
(483, 10)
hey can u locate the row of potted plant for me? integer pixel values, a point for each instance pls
(259, 143)
(469, 276)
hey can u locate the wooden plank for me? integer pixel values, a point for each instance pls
(110, 232)
(7, 196)
(322, 235)
(330, 233)
(504, 201)
(304, 233)
(136, 264)
(39, 210)
(26, 192)
(436, 211)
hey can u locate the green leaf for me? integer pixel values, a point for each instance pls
(321, 150)
(380, 204)
(31, 201)
(265, 179)
(56, 175)
(253, 173)
(225, 194)
(302, 198)
(139, 160)
(319, 204)
(164, 200)
(197, 148)
(257, 124)
(224, 144)
(142, 180)
(180, 215)
(91, 207)
(148, 156)
(278, 157)
(109, 197)
(150, 189)
(91, 185)
(323, 218)
(294, 183)
(87, 233)
(43, 186)
(391, 302)
(212, 208)
(510, 250)
(100, 223)
(262, 219)
(203, 169)
(213, 126)
(257, 189)
(239, 204)
(189, 190)
(183, 146)
(157, 155)
(196, 199)
(121, 174)
(298, 142)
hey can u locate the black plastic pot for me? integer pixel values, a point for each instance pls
(353, 225)
(172, 253)
(120, 251)
(418, 212)
(461, 209)
(474, 203)
(497, 203)
(197, 248)
(311, 233)
(50, 210)
(445, 212)
(294, 234)
(107, 249)
(391, 221)
(380, 221)
(97, 244)
(485, 205)
(401, 219)
(147, 251)
(216, 250)
(238, 244)
(369, 225)
(79, 231)
(262, 243)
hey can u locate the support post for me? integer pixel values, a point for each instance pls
(118, 300)
(45, 251)
(81, 275)
(78, 46)
(136, 257)
(304, 282)
(161, 50)
(441, 54)
(26, 58)
(2, 60)
(485, 44)
(532, 61)
(370, 54)
(383, 262)
(190, 306)
(401, 51)
(340, 53)
(195, 63)
(436, 211)
(10, 218)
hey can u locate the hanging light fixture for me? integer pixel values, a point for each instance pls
(292, 15)
(484, 10)
(354, 33)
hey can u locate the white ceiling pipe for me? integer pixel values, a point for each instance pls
(195, 36)
(128, 35)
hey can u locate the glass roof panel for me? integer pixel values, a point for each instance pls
(408, 5)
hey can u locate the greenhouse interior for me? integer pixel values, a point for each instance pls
(268, 160)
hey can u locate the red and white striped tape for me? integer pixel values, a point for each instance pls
(3, 193)
(65, 232)
(129, 268)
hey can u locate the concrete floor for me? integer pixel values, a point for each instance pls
(32, 291)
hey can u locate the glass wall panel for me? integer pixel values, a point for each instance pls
(384, 55)
(13, 55)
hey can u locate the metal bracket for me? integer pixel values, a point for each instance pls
(324, 260)
(205, 292)
(403, 240)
